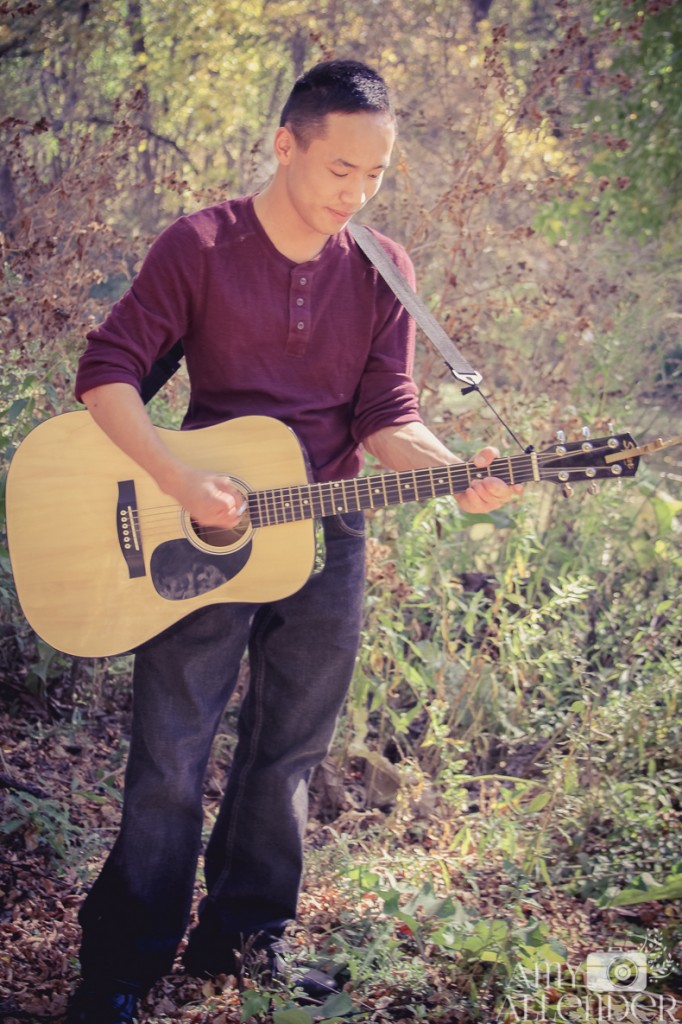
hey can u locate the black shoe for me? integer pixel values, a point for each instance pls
(274, 960)
(98, 1004)
(200, 961)
(263, 958)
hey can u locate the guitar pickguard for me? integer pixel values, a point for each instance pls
(180, 571)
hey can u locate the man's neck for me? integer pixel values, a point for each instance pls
(287, 234)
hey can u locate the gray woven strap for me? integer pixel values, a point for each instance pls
(414, 305)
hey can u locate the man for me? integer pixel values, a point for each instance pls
(281, 315)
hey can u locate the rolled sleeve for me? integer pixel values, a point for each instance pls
(148, 320)
(387, 395)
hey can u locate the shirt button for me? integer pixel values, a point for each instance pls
(304, 280)
(300, 325)
(299, 302)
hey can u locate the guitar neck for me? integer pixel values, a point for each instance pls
(317, 500)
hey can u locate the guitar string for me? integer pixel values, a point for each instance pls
(523, 474)
(275, 498)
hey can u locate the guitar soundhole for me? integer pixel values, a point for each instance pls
(213, 537)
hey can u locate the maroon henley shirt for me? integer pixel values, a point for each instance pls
(323, 346)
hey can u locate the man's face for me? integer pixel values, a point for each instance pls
(338, 172)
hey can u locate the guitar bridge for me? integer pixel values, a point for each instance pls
(128, 529)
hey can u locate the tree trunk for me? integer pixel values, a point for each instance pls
(136, 29)
(480, 9)
(8, 200)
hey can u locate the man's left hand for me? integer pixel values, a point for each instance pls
(490, 492)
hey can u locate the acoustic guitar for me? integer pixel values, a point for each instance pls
(103, 559)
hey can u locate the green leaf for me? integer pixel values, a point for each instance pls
(539, 802)
(254, 1002)
(671, 889)
(11, 825)
(294, 1016)
(337, 1005)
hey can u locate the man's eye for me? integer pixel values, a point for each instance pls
(339, 174)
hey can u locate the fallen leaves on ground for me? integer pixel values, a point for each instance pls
(54, 844)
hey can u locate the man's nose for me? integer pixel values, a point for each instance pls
(354, 195)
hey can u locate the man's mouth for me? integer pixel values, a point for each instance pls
(341, 214)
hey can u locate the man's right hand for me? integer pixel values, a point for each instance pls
(210, 498)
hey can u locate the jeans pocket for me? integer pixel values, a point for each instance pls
(350, 524)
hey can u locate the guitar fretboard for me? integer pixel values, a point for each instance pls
(311, 501)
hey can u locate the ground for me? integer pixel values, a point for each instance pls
(60, 791)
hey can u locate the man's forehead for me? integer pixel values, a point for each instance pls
(350, 139)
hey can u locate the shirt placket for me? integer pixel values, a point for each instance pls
(299, 312)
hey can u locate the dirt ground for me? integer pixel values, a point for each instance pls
(59, 796)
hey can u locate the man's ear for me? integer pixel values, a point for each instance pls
(284, 145)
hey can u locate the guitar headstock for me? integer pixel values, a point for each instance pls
(591, 459)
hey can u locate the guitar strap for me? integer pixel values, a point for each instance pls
(162, 371)
(164, 368)
(416, 307)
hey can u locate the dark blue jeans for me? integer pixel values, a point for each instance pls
(302, 651)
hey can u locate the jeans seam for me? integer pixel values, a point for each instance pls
(256, 685)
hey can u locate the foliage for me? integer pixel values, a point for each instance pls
(457, 676)
(514, 725)
(641, 121)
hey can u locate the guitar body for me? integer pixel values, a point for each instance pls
(103, 560)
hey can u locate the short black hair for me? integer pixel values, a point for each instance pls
(333, 87)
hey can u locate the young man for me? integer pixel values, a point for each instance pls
(281, 315)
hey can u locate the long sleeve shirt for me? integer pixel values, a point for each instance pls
(323, 346)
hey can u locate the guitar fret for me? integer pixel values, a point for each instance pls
(321, 488)
(339, 486)
(294, 513)
(262, 509)
(275, 506)
(299, 514)
(441, 480)
(414, 483)
(357, 492)
(252, 506)
(363, 492)
(307, 502)
(270, 504)
(424, 486)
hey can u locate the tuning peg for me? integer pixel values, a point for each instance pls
(568, 490)
(560, 436)
(587, 433)
(593, 488)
